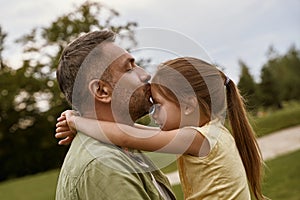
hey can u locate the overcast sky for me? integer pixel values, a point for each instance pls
(227, 29)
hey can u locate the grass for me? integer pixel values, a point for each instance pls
(282, 178)
(276, 120)
(40, 186)
(281, 181)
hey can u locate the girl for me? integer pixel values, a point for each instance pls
(189, 106)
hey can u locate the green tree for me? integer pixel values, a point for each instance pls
(290, 74)
(248, 87)
(280, 79)
(2, 39)
(269, 87)
(30, 97)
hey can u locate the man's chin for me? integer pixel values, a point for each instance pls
(138, 115)
(138, 108)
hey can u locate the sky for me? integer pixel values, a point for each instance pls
(228, 30)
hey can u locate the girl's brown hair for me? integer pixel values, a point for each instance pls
(178, 78)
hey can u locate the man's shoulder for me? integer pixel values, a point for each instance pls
(101, 163)
(85, 151)
(87, 148)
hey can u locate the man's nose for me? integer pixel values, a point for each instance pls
(143, 75)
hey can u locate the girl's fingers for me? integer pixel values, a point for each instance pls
(64, 134)
(65, 112)
(70, 113)
(62, 129)
(66, 141)
(62, 123)
(63, 115)
(61, 118)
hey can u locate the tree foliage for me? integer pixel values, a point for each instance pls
(30, 97)
(280, 80)
(30, 100)
(248, 87)
(2, 39)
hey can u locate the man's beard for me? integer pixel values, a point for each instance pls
(139, 104)
(128, 105)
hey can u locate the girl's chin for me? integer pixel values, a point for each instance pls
(163, 128)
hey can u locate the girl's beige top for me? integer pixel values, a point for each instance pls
(218, 175)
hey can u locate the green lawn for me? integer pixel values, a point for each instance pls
(276, 120)
(40, 186)
(281, 182)
(282, 178)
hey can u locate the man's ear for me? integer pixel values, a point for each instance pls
(190, 105)
(100, 90)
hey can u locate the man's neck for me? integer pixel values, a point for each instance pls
(104, 116)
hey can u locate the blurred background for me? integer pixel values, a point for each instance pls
(255, 42)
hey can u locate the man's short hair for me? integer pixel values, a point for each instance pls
(74, 56)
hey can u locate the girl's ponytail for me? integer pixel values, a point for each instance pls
(244, 137)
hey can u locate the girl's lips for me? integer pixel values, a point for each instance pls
(159, 124)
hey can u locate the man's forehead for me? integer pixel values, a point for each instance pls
(111, 49)
(109, 52)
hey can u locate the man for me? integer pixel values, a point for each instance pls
(102, 81)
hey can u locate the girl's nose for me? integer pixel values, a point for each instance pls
(154, 115)
(151, 112)
(154, 112)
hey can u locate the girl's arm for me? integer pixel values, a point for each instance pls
(179, 141)
(66, 134)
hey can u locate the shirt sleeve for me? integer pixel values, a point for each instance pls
(102, 180)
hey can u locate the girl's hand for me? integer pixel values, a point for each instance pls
(65, 127)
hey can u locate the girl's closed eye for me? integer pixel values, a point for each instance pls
(157, 107)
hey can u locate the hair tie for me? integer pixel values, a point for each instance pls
(227, 81)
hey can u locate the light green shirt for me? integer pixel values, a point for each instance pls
(94, 170)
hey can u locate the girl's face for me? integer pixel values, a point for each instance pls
(166, 113)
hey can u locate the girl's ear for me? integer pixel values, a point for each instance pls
(100, 90)
(191, 104)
